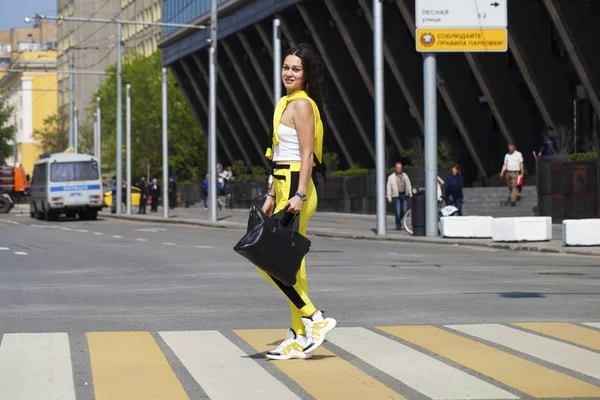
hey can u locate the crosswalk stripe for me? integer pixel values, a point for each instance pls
(36, 366)
(130, 365)
(565, 355)
(568, 332)
(325, 376)
(222, 369)
(523, 375)
(424, 374)
(593, 324)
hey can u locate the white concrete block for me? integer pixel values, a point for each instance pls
(467, 227)
(581, 232)
(522, 229)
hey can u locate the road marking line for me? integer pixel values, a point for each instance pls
(130, 365)
(36, 366)
(67, 229)
(98, 233)
(81, 230)
(421, 372)
(169, 244)
(205, 247)
(4, 249)
(20, 253)
(9, 221)
(552, 351)
(593, 324)
(523, 375)
(325, 376)
(568, 332)
(117, 237)
(141, 240)
(223, 370)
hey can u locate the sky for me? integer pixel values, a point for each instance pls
(14, 11)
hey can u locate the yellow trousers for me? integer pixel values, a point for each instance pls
(285, 181)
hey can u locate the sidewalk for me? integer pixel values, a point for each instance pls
(352, 226)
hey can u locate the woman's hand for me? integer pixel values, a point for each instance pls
(268, 206)
(295, 205)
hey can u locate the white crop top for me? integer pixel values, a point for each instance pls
(288, 148)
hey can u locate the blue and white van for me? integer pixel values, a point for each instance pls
(67, 184)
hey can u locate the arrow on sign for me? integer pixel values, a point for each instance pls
(496, 4)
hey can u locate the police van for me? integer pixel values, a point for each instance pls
(66, 183)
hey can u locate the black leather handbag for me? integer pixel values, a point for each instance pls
(271, 245)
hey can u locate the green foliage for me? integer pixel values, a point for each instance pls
(239, 168)
(331, 161)
(352, 172)
(187, 142)
(583, 156)
(54, 135)
(6, 131)
(243, 174)
(416, 154)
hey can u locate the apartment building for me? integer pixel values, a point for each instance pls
(28, 82)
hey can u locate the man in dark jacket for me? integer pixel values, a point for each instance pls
(172, 193)
(143, 186)
(548, 146)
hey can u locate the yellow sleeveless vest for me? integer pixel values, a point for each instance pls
(281, 106)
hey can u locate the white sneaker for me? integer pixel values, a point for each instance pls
(317, 327)
(291, 347)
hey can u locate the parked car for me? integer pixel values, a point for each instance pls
(135, 197)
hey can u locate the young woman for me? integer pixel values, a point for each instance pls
(297, 147)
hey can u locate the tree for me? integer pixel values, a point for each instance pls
(187, 142)
(53, 137)
(6, 131)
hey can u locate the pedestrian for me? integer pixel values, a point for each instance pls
(172, 192)
(547, 146)
(398, 189)
(113, 189)
(205, 191)
(513, 166)
(143, 186)
(454, 188)
(154, 193)
(297, 146)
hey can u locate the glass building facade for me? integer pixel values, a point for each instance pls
(185, 11)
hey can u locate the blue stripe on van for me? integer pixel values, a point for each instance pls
(75, 187)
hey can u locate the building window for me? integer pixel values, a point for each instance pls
(5, 48)
(28, 46)
(51, 45)
(4, 60)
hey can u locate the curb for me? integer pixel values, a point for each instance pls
(344, 235)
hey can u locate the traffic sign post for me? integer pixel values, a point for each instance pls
(451, 26)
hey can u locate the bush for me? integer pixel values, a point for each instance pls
(583, 156)
(352, 172)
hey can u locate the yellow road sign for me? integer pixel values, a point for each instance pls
(471, 40)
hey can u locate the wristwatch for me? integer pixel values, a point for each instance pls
(301, 195)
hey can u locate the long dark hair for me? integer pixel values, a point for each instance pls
(313, 75)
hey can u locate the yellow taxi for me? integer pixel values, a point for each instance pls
(135, 197)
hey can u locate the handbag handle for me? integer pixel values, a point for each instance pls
(285, 218)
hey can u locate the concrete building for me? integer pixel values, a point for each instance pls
(94, 45)
(31, 93)
(549, 77)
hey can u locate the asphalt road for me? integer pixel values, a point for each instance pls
(119, 276)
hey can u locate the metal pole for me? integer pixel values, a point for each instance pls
(379, 117)
(128, 146)
(76, 131)
(165, 146)
(276, 61)
(15, 140)
(119, 122)
(99, 119)
(430, 107)
(71, 105)
(95, 135)
(212, 115)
